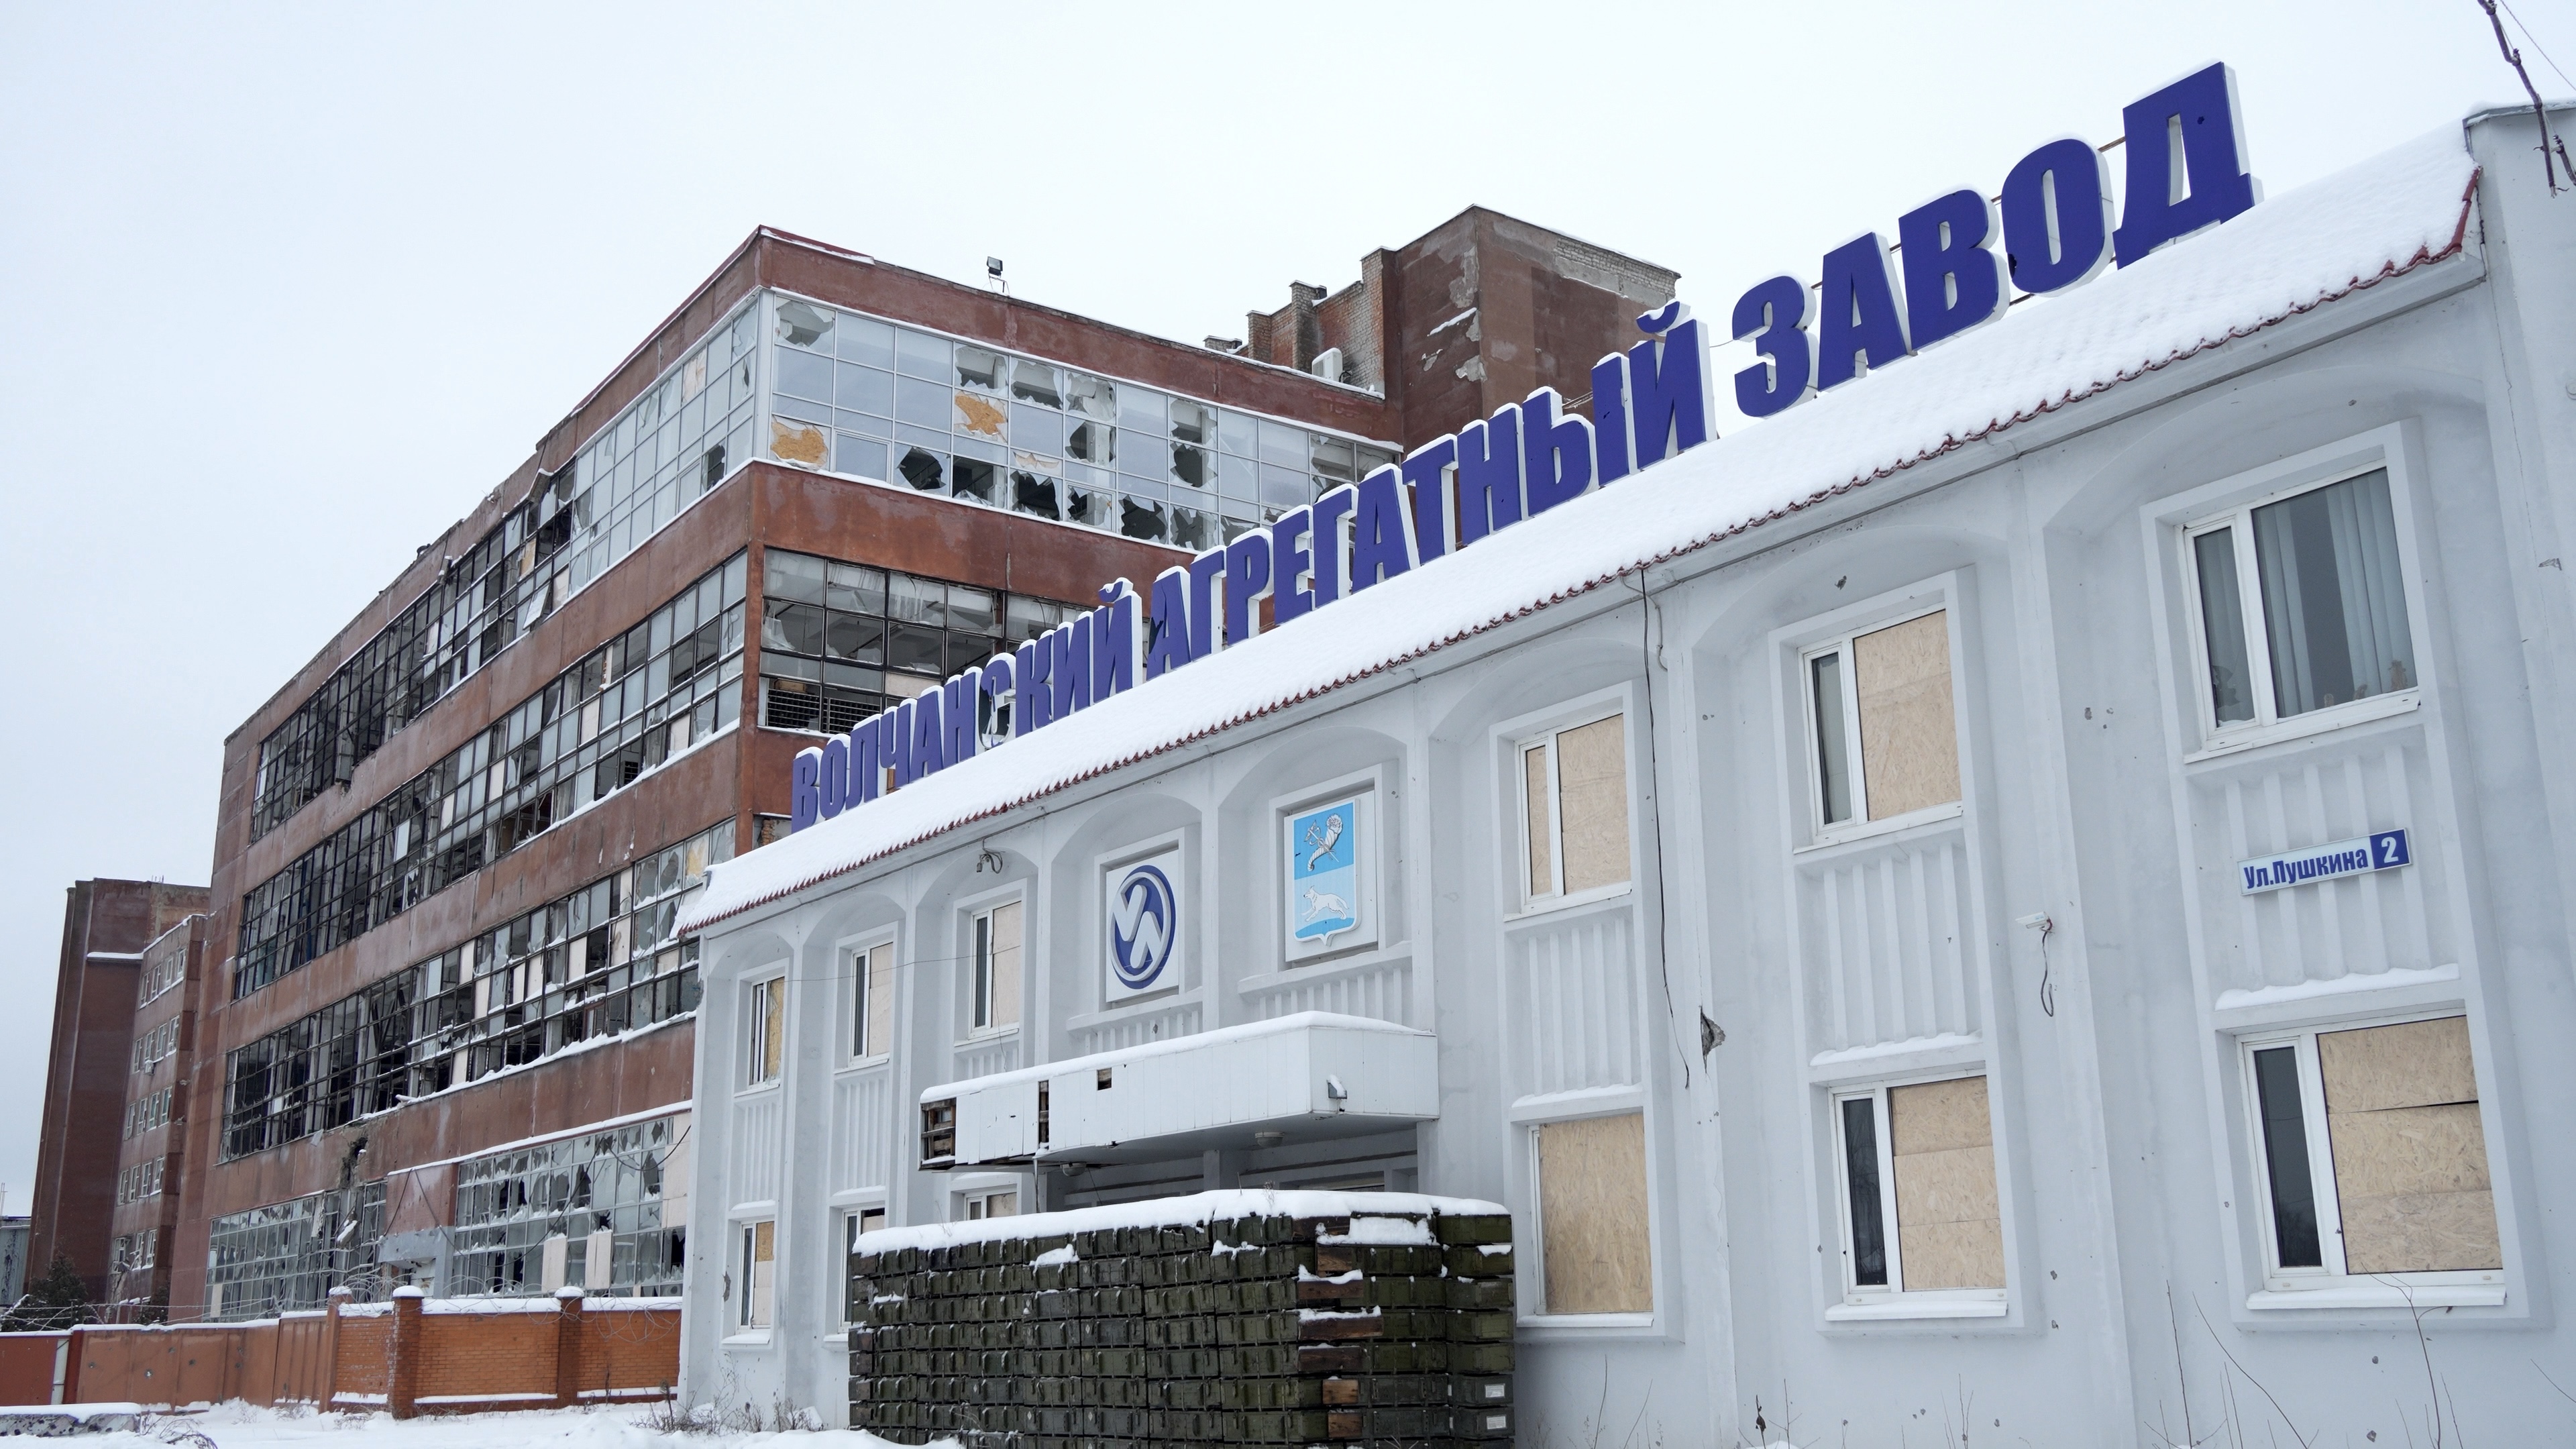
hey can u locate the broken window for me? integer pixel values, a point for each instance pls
(1596, 1253)
(1035, 493)
(981, 417)
(2373, 1154)
(287, 1257)
(921, 629)
(1036, 382)
(1094, 443)
(1192, 465)
(801, 324)
(974, 478)
(1882, 700)
(677, 675)
(924, 470)
(1193, 529)
(980, 368)
(1917, 1191)
(1091, 397)
(1333, 459)
(793, 440)
(508, 1204)
(1141, 518)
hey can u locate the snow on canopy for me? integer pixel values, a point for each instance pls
(2401, 210)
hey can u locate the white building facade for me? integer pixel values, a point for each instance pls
(2029, 896)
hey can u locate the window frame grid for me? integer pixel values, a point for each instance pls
(1867, 619)
(2235, 501)
(757, 992)
(2327, 1193)
(1533, 1310)
(854, 955)
(978, 916)
(1542, 731)
(1894, 1300)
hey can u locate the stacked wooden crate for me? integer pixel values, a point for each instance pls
(1228, 1318)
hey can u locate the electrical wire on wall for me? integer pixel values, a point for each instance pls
(1650, 659)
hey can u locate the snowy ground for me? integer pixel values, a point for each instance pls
(238, 1426)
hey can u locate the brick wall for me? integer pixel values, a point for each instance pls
(1259, 1330)
(411, 1358)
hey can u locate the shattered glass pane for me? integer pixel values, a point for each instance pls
(1193, 528)
(801, 324)
(1036, 382)
(924, 469)
(1033, 493)
(1333, 458)
(1142, 519)
(1192, 465)
(973, 478)
(1193, 422)
(1093, 397)
(979, 368)
(1091, 443)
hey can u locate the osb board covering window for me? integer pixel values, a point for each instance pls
(1592, 1215)
(796, 442)
(1949, 1227)
(1006, 965)
(1909, 740)
(876, 985)
(1592, 803)
(2410, 1152)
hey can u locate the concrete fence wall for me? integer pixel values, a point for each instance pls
(409, 1357)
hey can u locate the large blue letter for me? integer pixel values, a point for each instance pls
(1290, 561)
(1381, 531)
(1331, 545)
(1033, 701)
(1556, 452)
(961, 710)
(804, 795)
(2057, 216)
(1668, 386)
(1170, 648)
(1247, 582)
(898, 738)
(1001, 677)
(1205, 571)
(1953, 279)
(1775, 315)
(2186, 162)
(867, 758)
(1118, 650)
(1069, 664)
(832, 782)
(929, 735)
(1489, 475)
(1858, 326)
(1612, 445)
(1429, 469)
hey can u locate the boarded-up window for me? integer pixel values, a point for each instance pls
(1949, 1228)
(768, 1030)
(997, 967)
(1596, 1256)
(758, 1281)
(1574, 808)
(1884, 697)
(2410, 1156)
(872, 1024)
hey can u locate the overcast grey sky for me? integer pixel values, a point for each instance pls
(284, 290)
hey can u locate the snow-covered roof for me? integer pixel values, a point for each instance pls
(2396, 212)
(1196, 1210)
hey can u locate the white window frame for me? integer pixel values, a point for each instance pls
(1864, 1301)
(2267, 721)
(1528, 1116)
(744, 1231)
(854, 953)
(2303, 1287)
(774, 982)
(845, 1230)
(976, 914)
(978, 1189)
(1518, 737)
(1939, 599)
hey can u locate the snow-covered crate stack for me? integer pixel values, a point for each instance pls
(1284, 1318)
